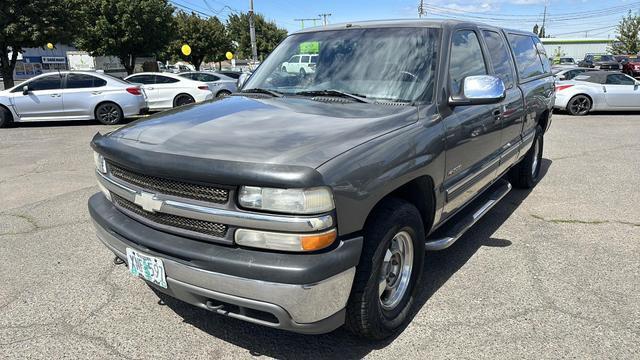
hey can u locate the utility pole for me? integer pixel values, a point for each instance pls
(324, 18)
(252, 33)
(303, 20)
(421, 9)
(543, 31)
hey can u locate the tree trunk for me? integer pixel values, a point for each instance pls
(219, 65)
(7, 65)
(129, 63)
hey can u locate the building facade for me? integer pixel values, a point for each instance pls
(576, 48)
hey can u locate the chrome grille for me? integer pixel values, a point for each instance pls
(199, 226)
(171, 187)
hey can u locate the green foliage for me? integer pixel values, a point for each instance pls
(628, 39)
(268, 35)
(126, 29)
(207, 38)
(33, 23)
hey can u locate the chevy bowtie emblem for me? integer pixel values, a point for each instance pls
(148, 202)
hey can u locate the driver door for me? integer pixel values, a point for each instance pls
(42, 102)
(622, 91)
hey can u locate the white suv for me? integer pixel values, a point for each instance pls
(302, 64)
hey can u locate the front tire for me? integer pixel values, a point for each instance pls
(579, 105)
(108, 113)
(526, 174)
(390, 268)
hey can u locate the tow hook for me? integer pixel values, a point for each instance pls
(117, 261)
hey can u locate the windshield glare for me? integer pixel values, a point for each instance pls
(395, 64)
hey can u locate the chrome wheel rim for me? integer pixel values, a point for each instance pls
(108, 113)
(396, 271)
(534, 165)
(580, 105)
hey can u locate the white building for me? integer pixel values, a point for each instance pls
(576, 48)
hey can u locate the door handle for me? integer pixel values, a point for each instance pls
(497, 115)
(96, 92)
(149, 88)
(55, 95)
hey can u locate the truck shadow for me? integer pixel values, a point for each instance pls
(438, 268)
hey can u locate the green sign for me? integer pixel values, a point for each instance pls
(310, 47)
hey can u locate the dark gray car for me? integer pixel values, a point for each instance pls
(307, 201)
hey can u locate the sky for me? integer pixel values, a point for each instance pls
(565, 19)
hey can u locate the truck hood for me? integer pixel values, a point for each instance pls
(284, 131)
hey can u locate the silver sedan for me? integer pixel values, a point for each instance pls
(71, 96)
(220, 85)
(596, 91)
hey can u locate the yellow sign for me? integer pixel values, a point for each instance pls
(229, 55)
(186, 50)
(49, 46)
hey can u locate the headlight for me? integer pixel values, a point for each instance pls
(101, 165)
(292, 201)
(285, 241)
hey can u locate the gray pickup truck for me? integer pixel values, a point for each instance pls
(307, 201)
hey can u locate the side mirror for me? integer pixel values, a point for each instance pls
(562, 77)
(25, 90)
(243, 79)
(479, 89)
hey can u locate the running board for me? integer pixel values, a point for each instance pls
(455, 227)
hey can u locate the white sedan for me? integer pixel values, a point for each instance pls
(220, 84)
(71, 95)
(596, 91)
(165, 90)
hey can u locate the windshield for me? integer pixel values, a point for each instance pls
(604, 58)
(392, 64)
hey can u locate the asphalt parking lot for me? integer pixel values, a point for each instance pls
(548, 273)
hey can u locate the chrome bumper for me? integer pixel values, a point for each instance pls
(304, 308)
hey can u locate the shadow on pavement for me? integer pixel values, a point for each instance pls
(438, 268)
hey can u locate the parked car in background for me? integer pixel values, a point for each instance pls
(166, 90)
(172, 69)
(621, 58)
(306, 203)
(600, 62)
(230, 73)
(300, 64)
(219, 84)
(570, 73)
(598, 90)
(631, 67)
(71, 96)
(565, 62)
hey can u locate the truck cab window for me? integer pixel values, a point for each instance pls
(500, 57)
(466, 59)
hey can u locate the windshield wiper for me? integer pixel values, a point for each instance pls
(262, 91)
(356, 97)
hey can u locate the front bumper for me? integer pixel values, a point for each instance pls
(314, 306)
(561, 100)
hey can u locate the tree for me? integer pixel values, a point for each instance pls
(628, 39)
(32, 23)
(206, 37)
(126, 29)
(536, 28)
(268, 34)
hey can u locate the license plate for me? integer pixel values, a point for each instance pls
(147, 267)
